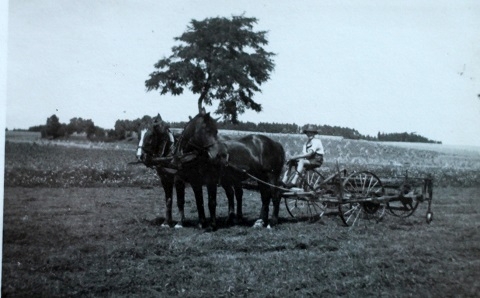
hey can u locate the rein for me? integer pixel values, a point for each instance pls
(244, 171)
(226, 164)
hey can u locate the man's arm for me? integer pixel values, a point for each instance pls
(305, 155)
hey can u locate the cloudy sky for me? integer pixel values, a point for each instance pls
(388, 66)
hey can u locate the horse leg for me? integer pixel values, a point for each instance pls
(167, 184)
(198, 192)
(263, 221)
(212, 204)
(276, 198)
(239, 196)
(229, 192)
(180, 189)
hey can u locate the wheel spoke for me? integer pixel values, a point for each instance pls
(310, 207)
(361, 188)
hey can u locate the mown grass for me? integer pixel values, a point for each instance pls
(108, 242)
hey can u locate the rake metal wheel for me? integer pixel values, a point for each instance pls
(361, 189)
(307, 207)
(302, 207)
(403, 206)
(312, 180)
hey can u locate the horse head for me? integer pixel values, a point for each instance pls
(146, 145)
(159, 126)
(153, 140)
(200, 137)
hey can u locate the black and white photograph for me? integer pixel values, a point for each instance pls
(246, 148)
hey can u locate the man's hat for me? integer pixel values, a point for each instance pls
(310, 128)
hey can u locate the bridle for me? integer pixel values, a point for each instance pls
(193, 155)
(146, 149)
(186, 157)
(151, 148)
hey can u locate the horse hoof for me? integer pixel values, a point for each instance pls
(165, 225)
(240, 220)
(269, 227)
(202, 226)
(230, 221)
(178, 226)
(258, 224)
(210, 229)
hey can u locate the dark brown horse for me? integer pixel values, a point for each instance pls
(195, 160)
(155, 149)
(205, 160)
(253, 156)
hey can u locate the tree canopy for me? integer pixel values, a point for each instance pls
(218, 59)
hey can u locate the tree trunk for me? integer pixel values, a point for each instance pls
(206, 87)
(200, 104)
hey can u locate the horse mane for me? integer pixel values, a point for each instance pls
(191, 127)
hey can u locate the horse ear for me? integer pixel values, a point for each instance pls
(159, 117)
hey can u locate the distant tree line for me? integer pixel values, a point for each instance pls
(123, 129)
(54, 129)
(326, 130)
(127, 129)
(404, 137)
(249, 126)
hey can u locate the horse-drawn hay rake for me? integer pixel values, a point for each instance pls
(357, 196)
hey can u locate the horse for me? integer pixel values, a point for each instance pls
(253, 156)
(195, 160)
(204, 159)
(155, 149)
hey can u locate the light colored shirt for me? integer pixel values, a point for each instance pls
(314, 145)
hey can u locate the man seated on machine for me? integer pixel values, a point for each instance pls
(311, 156)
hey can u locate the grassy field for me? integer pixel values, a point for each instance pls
(33, 162)
(79, 221)
(107, 242)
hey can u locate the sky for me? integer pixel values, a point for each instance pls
(375, 66)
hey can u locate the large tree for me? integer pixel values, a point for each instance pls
(218, 59)
(54, 128)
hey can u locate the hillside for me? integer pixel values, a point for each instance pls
(28, 156)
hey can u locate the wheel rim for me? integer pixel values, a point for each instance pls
(403, 206)
(307, 207)
(350, 213)
(312, 181)
(361, 188)
(304, 208)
